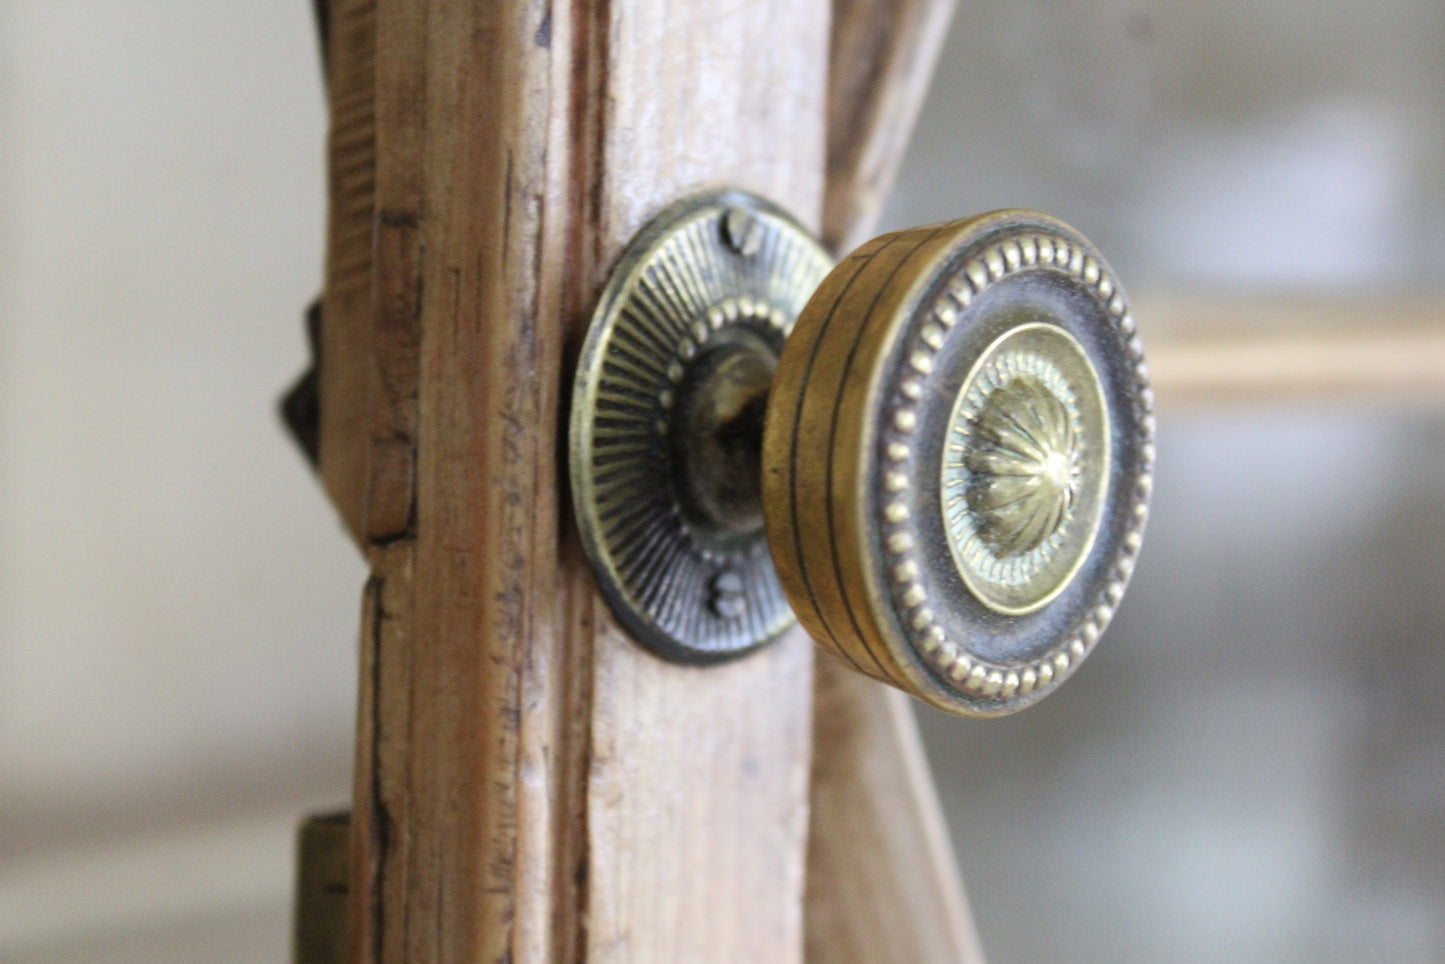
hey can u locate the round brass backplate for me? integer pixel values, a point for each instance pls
(667, 418)
(958, 456)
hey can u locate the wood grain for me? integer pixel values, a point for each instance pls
(882, 57)
(393, 323)
(370, 329)
(882, 881)
(697, 787)
(345, 355)
(380, 841)
(531, 785)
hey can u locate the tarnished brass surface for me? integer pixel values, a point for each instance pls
(1024, 465)
(667, 419)
(944, 468)
(958, 457)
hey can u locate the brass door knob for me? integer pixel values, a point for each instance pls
(937, 455)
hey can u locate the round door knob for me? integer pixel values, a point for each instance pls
(956, 467)
(937, 455)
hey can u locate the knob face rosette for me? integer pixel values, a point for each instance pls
(957, 459)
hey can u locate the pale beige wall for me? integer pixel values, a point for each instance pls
(1230, 778)
(177, 603)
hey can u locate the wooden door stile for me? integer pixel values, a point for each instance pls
(532, 785)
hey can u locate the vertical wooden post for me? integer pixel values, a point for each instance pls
(531, 785)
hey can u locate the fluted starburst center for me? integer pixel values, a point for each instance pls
(1026, 467)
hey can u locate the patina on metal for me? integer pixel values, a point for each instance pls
(958, 459)
(1024, 466)
(945, 468)
(667, 423)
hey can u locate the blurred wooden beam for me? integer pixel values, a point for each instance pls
(1224, 350)
(880, 64)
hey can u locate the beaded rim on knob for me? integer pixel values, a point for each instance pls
(959, 457)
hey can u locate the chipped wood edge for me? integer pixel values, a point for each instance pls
(530, 784)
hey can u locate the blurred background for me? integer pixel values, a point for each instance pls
(1252, 768)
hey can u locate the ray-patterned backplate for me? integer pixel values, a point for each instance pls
(667, 421)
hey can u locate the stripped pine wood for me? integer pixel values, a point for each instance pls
(882, 883)
(370, 332)
(393, 324)
(345, 355)
(531, 785)
(379, 853)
